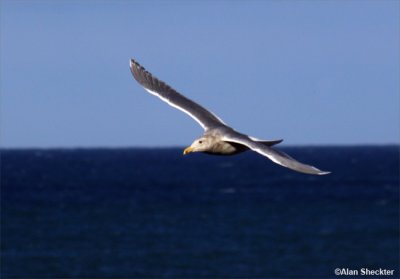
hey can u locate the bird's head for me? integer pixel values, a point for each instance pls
(199, 145)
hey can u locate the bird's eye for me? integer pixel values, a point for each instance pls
(200, 141)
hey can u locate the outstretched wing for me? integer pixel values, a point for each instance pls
(206, 119)
(274, 155)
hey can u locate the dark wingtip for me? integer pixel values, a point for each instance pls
(138, 71)
(133, 63)
(145, 78)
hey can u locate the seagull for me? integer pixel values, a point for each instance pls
(218, 137)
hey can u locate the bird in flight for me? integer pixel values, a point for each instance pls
(218, 137)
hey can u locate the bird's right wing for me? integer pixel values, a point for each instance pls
(205, 118)
(274, 155)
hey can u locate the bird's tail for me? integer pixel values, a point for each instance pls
(270, 142)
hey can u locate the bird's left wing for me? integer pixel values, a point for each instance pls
(153, 85)
(274, 155)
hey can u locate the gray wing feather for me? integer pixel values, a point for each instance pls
(162, 90)
(274, 155)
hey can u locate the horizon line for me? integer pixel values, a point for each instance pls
(182, 146)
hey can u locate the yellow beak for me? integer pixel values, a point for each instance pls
(187, 150)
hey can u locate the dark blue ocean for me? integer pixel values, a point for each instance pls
(151, 213)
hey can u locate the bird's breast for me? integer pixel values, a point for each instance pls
(226, 148)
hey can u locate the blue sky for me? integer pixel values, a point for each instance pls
(311, 72)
